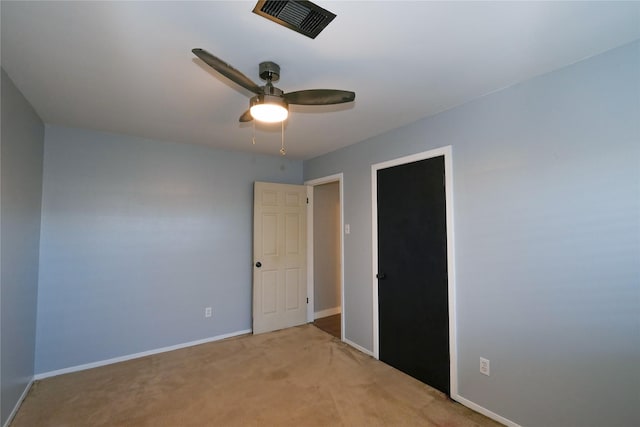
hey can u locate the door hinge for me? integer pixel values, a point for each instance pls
(307, 200)
(307, 300)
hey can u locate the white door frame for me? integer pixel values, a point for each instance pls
(339, 177)
(446, 152)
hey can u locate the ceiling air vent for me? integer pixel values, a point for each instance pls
(301, 16)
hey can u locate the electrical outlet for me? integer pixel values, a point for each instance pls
(207, 312)
(485, 366)
(347, 229)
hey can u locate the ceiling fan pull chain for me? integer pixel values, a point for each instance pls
(253, 138)
(282, 149)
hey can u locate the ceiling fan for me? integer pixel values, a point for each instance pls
(271, 104)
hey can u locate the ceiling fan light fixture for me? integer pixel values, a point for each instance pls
(269, 108)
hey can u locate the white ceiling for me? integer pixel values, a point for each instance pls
(127, 67)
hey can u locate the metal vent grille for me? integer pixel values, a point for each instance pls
(301, 16)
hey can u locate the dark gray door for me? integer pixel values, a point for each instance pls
(412, 268)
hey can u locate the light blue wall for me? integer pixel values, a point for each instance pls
(138, 237)
(547, 222)
(21, 196)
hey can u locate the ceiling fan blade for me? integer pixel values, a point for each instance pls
(246, 116)
(227, 70)
(319, 97)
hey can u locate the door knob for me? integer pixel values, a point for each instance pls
(258, 264)
(381, 276)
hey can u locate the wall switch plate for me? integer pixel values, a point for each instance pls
(347, 229)
(207, 312)
(485, 366)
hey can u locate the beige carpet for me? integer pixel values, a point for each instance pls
(296, 377)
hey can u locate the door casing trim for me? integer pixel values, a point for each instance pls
(339, 177)
(446, 152)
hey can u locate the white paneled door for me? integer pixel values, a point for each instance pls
(279, 256)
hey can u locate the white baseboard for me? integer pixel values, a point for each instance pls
(484, 411)
(327, 312)
(358, 347)
(19, 402)
(137, 355)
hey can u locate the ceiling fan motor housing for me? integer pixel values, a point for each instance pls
(269, 99)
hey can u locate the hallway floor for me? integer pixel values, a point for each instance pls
(330, 324)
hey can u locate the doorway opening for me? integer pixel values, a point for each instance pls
(325, 276)
(417, 204)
